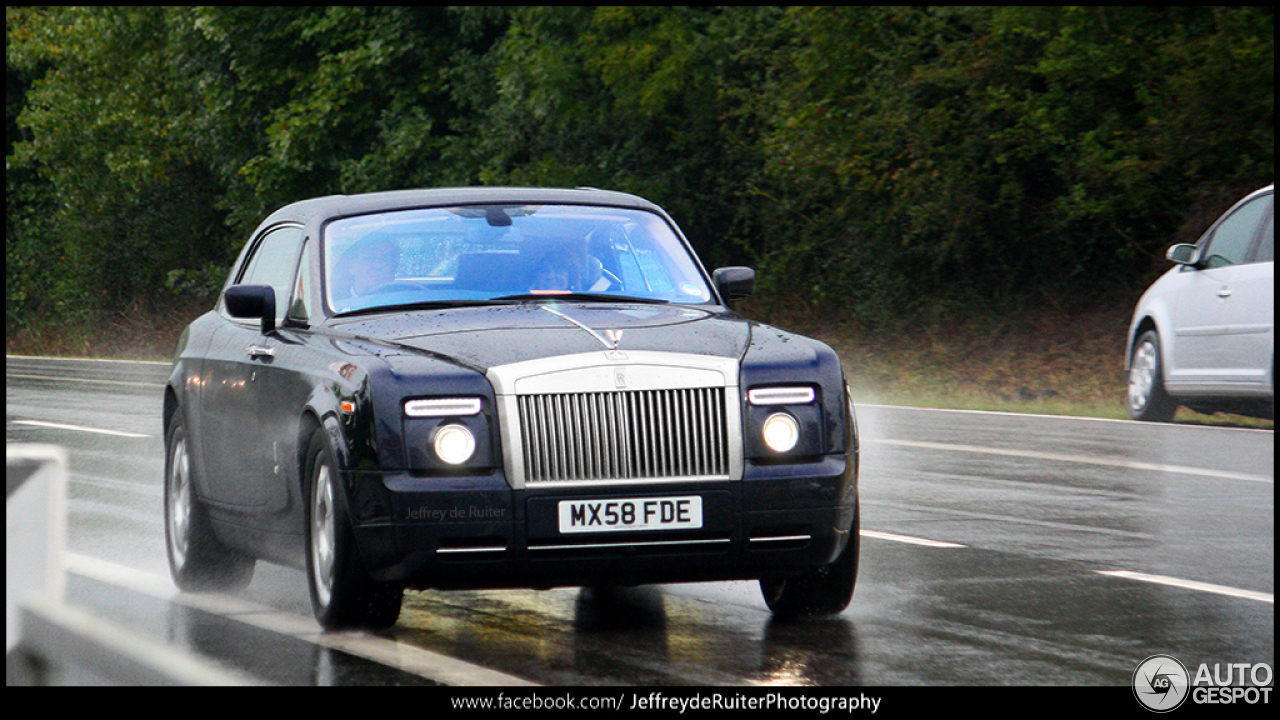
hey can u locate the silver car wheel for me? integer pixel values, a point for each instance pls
(323, 533)
(180, 501)
(197, 560)
(1142, 376)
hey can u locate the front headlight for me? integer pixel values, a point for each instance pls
(781, 432)
(448, 434)
(454, 444)
(784, 422)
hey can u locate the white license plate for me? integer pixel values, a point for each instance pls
(661, 513)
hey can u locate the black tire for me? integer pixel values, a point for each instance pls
(197, 560)
(822, 591)
(1146, 397)
(342, 593)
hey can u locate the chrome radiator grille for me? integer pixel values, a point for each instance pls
(624, 435)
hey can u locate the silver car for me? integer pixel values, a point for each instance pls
(1203, 335)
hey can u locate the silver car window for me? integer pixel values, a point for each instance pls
(1233, 236)
(1266, 243)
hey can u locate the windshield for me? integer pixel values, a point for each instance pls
(474, 254)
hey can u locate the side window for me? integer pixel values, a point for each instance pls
(1267, 243)
(1231, 240)
(274, 262)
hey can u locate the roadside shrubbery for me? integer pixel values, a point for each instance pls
(889, 167)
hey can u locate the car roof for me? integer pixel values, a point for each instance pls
(1256, 193)
(333, 206)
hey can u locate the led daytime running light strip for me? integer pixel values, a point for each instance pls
(442, 407)
(781, 396)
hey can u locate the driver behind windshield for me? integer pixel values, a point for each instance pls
(366, 266)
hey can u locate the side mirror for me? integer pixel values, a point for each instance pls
(734, 283)
(1183, 254)
(252, 301)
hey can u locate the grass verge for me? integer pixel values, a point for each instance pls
(1041, 362)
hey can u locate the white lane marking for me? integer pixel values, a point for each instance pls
(1127, 464)
(80, 428)
(908, 539)
(413, 660)
(106, 571)
(1012, 414)
(1191, 585)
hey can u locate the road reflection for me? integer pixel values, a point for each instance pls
(630, 635)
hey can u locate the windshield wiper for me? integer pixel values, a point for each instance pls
(423, 305)
(503, 300)
(579, 297)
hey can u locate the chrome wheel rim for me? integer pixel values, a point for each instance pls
(179, 501)
(322, 533)
(1142, 376)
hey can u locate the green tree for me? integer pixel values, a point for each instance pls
(159, 137)
(335, 99)
(123, 193)
(659, 102)
(974, 157)
(882, 164)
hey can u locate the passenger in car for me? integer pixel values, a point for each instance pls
(566, 268)
(555, 272)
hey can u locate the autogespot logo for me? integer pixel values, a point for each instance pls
(1161, 683)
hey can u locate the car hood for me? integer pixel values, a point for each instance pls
(484, 337)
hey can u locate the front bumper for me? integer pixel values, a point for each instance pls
(476, 532)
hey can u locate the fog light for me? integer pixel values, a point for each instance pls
(781, 432)
(454, 444)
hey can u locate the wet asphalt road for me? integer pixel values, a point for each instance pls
(997, 550)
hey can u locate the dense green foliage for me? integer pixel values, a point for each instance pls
(895, 164)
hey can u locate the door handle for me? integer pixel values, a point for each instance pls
(1224, 293)
(257, 351)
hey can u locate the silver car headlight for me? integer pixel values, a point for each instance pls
(782, 415)
(454, 444)
(781, 432)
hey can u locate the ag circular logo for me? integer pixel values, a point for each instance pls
(1161, 683)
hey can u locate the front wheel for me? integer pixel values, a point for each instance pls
(826, 590)
(1147, 399)
(342, 593)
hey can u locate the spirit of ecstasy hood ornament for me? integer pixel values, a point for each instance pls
(614, 336)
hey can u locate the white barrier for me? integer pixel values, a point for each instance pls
(46, 641)
(35, 532)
